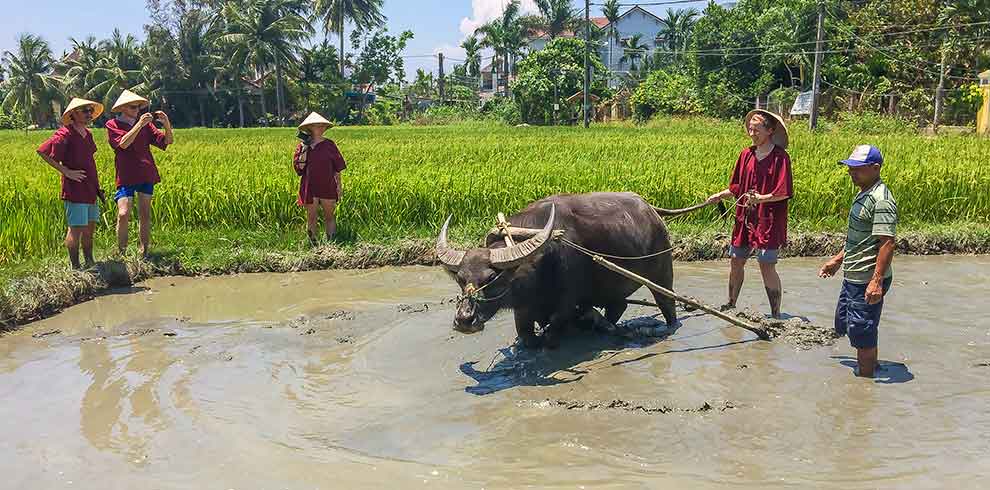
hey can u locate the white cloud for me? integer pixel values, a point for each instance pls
(483, 11)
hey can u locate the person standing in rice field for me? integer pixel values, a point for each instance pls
(866, 258)
(131, 136)
(761, 184)
(318, 163)
(71, 151)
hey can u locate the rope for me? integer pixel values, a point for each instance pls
(599, 254)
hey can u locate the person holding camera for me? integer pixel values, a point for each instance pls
(131, 136)
(71, 151)
(318, 163)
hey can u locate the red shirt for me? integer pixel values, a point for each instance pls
(764, 225)
(74, 151)
(323, 163)
(135, 165)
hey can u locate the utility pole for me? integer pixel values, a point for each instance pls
(441, 83)
(939, 93)
(587, 62)
(816, 84)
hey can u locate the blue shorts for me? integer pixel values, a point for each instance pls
(857, 318)
(129, 190)
(81, 214)
(763, 255)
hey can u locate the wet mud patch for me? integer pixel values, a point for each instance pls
(417, 308)
(798, 331)
(619, 405)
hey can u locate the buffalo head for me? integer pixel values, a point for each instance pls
(485, 274)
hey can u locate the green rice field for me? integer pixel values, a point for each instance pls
(401, 182)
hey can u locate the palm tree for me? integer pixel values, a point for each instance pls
(675, 28)
(611, 12)
(266, 34)
(364, 14)
(555, 18)
(78, 65)
(472, 54)
(505, 36)
(122, 49)
(30, 83)
(632, 51)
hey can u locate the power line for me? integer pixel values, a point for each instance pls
(892, 57)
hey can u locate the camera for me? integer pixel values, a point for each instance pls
(304, 137)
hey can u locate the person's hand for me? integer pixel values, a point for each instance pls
(714, 198)
(829, 269)
(146, 119)
(340, 188)
(163, 118)
(874, 292)
(74, 175)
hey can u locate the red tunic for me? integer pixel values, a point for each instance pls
(323, 163)
(74, 151)
(135, 164)
(764, 225)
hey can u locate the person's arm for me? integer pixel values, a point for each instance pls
(299, 160)
(71, 174)
(340, 186)
(734, 188)
(783, 188)
(832, 266)
(167, 127)
(130, 136)
(885, 255)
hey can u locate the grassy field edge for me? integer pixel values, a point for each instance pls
(52, 287)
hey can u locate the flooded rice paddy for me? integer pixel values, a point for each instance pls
(356, 380)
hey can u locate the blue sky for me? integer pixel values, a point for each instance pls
(437, 24)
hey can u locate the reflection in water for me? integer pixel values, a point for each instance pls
(121, 409)
(283, 391)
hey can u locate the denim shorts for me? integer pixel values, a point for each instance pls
(763, 255)
(857, 318)
(81, 214)
(129, 190)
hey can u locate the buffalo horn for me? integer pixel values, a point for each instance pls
(506, 258)
(447, 255)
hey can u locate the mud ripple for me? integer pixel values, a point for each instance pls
(651, 407)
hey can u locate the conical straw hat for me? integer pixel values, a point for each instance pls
(312, 119)
(77, 103)
(779, 137)
(128, 97)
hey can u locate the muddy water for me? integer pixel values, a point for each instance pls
(355, 380)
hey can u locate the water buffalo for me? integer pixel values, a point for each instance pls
(547, 282)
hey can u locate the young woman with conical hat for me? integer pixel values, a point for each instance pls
(131, 136)
(318, 163)
(762, 184)
(71, 151)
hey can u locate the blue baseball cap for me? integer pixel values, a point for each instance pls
(863, 155)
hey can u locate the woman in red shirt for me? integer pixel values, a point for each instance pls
(71, 151)
(318, 162)
(761, 184)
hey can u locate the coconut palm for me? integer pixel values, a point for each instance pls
(505, 35)
(363, 14)
(633, 50)
(30, 84)
(611, 12)
(555, 18)
(122, 49)
(675, 29)
(266, 35)
(472, 55)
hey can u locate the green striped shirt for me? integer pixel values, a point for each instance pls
(873, 214)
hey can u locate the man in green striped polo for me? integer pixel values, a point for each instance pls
(866, 259)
